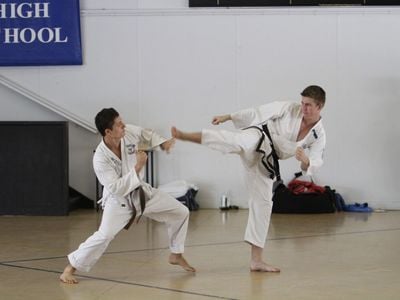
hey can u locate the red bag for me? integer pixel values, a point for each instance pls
(305, 187)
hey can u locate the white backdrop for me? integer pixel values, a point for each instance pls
(161, 64)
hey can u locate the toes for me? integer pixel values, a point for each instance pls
(190, 269)
(68, 280)
(264, 268)
(182, 263)
(173, 131)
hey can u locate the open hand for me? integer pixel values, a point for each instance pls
(167, 145)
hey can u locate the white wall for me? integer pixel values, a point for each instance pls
(161, 64)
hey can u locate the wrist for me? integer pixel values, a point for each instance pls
(138, 167)
(306, 163)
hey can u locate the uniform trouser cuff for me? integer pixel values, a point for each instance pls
(73, 262)
(177, 249)
(255, 243)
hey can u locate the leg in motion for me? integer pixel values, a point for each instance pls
(194, 137)
(89, 252)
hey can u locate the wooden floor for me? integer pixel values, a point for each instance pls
(332, 256)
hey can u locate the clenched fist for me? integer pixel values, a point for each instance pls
(141, 158)
(220, 119)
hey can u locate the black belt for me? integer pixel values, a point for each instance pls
(272, 167)
(142, 198)
(273, 153)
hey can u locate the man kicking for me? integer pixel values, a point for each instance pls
(118, 163)
(293, 128)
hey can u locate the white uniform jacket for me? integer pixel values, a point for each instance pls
(283, 120)
(118, 176)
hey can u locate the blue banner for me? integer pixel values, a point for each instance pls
(37, 33)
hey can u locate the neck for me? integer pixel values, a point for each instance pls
(112, 143)
(311, 121)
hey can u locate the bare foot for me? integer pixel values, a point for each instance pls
(178, 259)
(175, 133)
(262, 267)
(68, 275)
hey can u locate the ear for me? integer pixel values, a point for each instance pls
(319, 105)
(107, 131)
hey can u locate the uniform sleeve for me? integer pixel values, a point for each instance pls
(259, 115)
(316, 155)
(150, 139)
(146, 138)
(116, 185)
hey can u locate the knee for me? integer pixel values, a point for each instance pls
(185, 212)
(106, 234)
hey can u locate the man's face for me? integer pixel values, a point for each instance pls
(118, 129)
(309, 108)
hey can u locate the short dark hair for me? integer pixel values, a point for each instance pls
(315, 92)
(105, 119)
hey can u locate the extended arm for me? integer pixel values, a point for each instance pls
(259, 115)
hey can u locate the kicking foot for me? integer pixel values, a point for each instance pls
(177, 259)
(194, 137)
(262, 267)
(177, 134)
(68, 275)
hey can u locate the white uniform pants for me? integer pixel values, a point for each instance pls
(258, 183)
(161, 207)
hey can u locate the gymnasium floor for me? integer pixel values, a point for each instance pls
(333, 256)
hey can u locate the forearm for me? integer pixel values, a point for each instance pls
(123, 185)
(304, 165)
(138, 168)
(221, 119)
(244, 118)
(141, 159)
(227, 117)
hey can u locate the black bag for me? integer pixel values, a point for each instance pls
(189, 200)
(286, 202)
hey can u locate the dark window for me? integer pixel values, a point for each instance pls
(267, 3)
